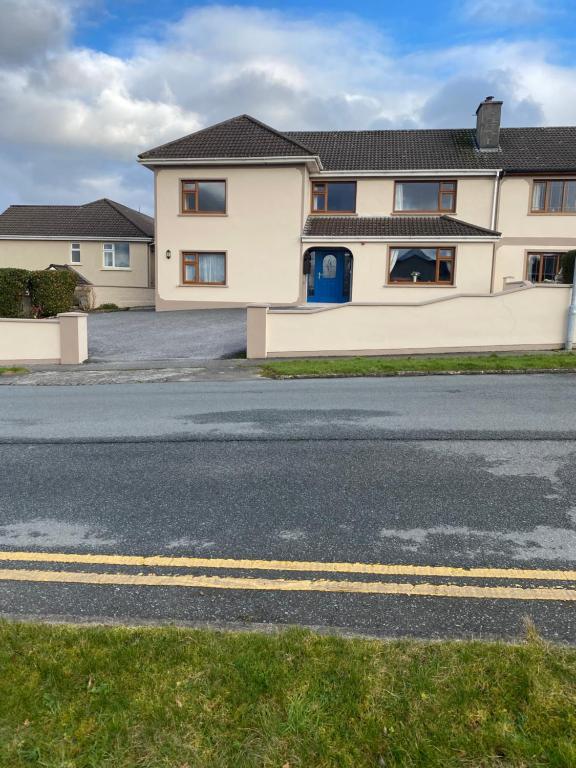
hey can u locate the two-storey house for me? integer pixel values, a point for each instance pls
(248, 214)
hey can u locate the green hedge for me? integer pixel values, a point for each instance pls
(567, 262)
(52, 291)
(13, 285)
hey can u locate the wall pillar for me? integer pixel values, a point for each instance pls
(73, 337)
(256, 331)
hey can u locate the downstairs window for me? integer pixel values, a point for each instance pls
(417, 266)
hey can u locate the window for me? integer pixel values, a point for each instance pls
(75, 253)
(116, 255)
(428, 196)
(207, 197)
(203, 268)
(422, 265)
(554, 196)
(334, 196)
(543, 267)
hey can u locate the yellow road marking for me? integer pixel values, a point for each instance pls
(290, 585)
(290, 565)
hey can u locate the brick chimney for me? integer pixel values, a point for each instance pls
(488, 125)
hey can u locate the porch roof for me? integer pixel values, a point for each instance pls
(393, 227)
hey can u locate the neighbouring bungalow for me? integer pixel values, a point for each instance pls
(109, 245)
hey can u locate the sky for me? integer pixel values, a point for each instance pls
(85, 85)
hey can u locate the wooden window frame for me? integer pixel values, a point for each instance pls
(540, 281)
(324, 183)
(186, 212)
(184, 260)
(423, 283)
(546, 211)
(441, 191)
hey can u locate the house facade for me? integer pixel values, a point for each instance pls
(107, 244)
(247, 215)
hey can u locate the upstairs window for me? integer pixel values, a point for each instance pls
(416, 266)
(554, 196)
(544, 267)
(75, 253)
(334, 197)
(207, 197)
(425, 196)
(116, 255)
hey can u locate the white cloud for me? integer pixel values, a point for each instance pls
(75, 118)
(505, 12)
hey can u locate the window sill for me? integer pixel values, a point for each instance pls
(333, 213)
(418, 285)
(116, 269)
(75, 264)
(551, 213)
(202, 285)
(424, 213)
(200, 215)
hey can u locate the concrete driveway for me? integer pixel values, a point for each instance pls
(147, 335)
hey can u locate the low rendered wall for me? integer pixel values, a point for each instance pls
(524, 317)
(63, 339)
(123, 297)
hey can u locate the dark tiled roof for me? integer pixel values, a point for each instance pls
(392, 226)
(80, 279)
(102, 218)
(241, 136)
(529, 149)
(520, 149)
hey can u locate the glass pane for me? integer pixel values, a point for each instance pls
(190, 273)
(538, 196)
(413, 265)
(329, 267)
(446, 252)
(211, 267)
(318, 188)
(189, 186)
(550, 266)
(122, 255)
(445, 271)
(446, 201)
(570, 200)
(108, 259)
(448, 186)
(190, 202)
(556, 190)
(533, 266)
(311, 274)
(318, 203)
(417, 196)
(212, 196)
(342, 196)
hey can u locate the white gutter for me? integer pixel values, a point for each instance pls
(395, 239)
(423, 173)
(78, 238)
(290, 160)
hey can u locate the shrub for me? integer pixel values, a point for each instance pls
(567, 266)
(52, 291)
(13, 286)
(108, 307)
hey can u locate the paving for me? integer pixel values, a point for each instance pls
(286, 494)
(138, 335)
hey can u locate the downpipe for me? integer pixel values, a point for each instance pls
(571, 314)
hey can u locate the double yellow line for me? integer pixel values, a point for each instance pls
(464, 590)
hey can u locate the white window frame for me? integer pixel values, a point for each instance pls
(108, 248)
(75, 248)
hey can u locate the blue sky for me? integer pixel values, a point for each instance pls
(87, 84)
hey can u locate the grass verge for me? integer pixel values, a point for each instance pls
(87, 697)
(386, 366)
(12, 370)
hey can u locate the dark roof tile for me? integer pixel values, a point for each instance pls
(392, 226)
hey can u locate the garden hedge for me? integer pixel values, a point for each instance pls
(52, 291)
(13, 285)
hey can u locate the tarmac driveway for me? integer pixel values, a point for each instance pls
(147, 335)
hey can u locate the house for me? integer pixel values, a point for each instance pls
(109, 245)
(246, 214)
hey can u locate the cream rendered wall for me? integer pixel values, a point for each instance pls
(260, 233)
(525, 318)
(472, 274)
(375, 197)
(523, 231)
(38, 254)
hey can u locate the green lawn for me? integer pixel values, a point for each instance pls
(11, 370)
(74, 697)
(386, 366)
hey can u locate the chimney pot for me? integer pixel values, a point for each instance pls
(488, 125)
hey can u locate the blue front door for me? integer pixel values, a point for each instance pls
(328, 277)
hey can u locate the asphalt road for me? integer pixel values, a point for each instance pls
(451, 473)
